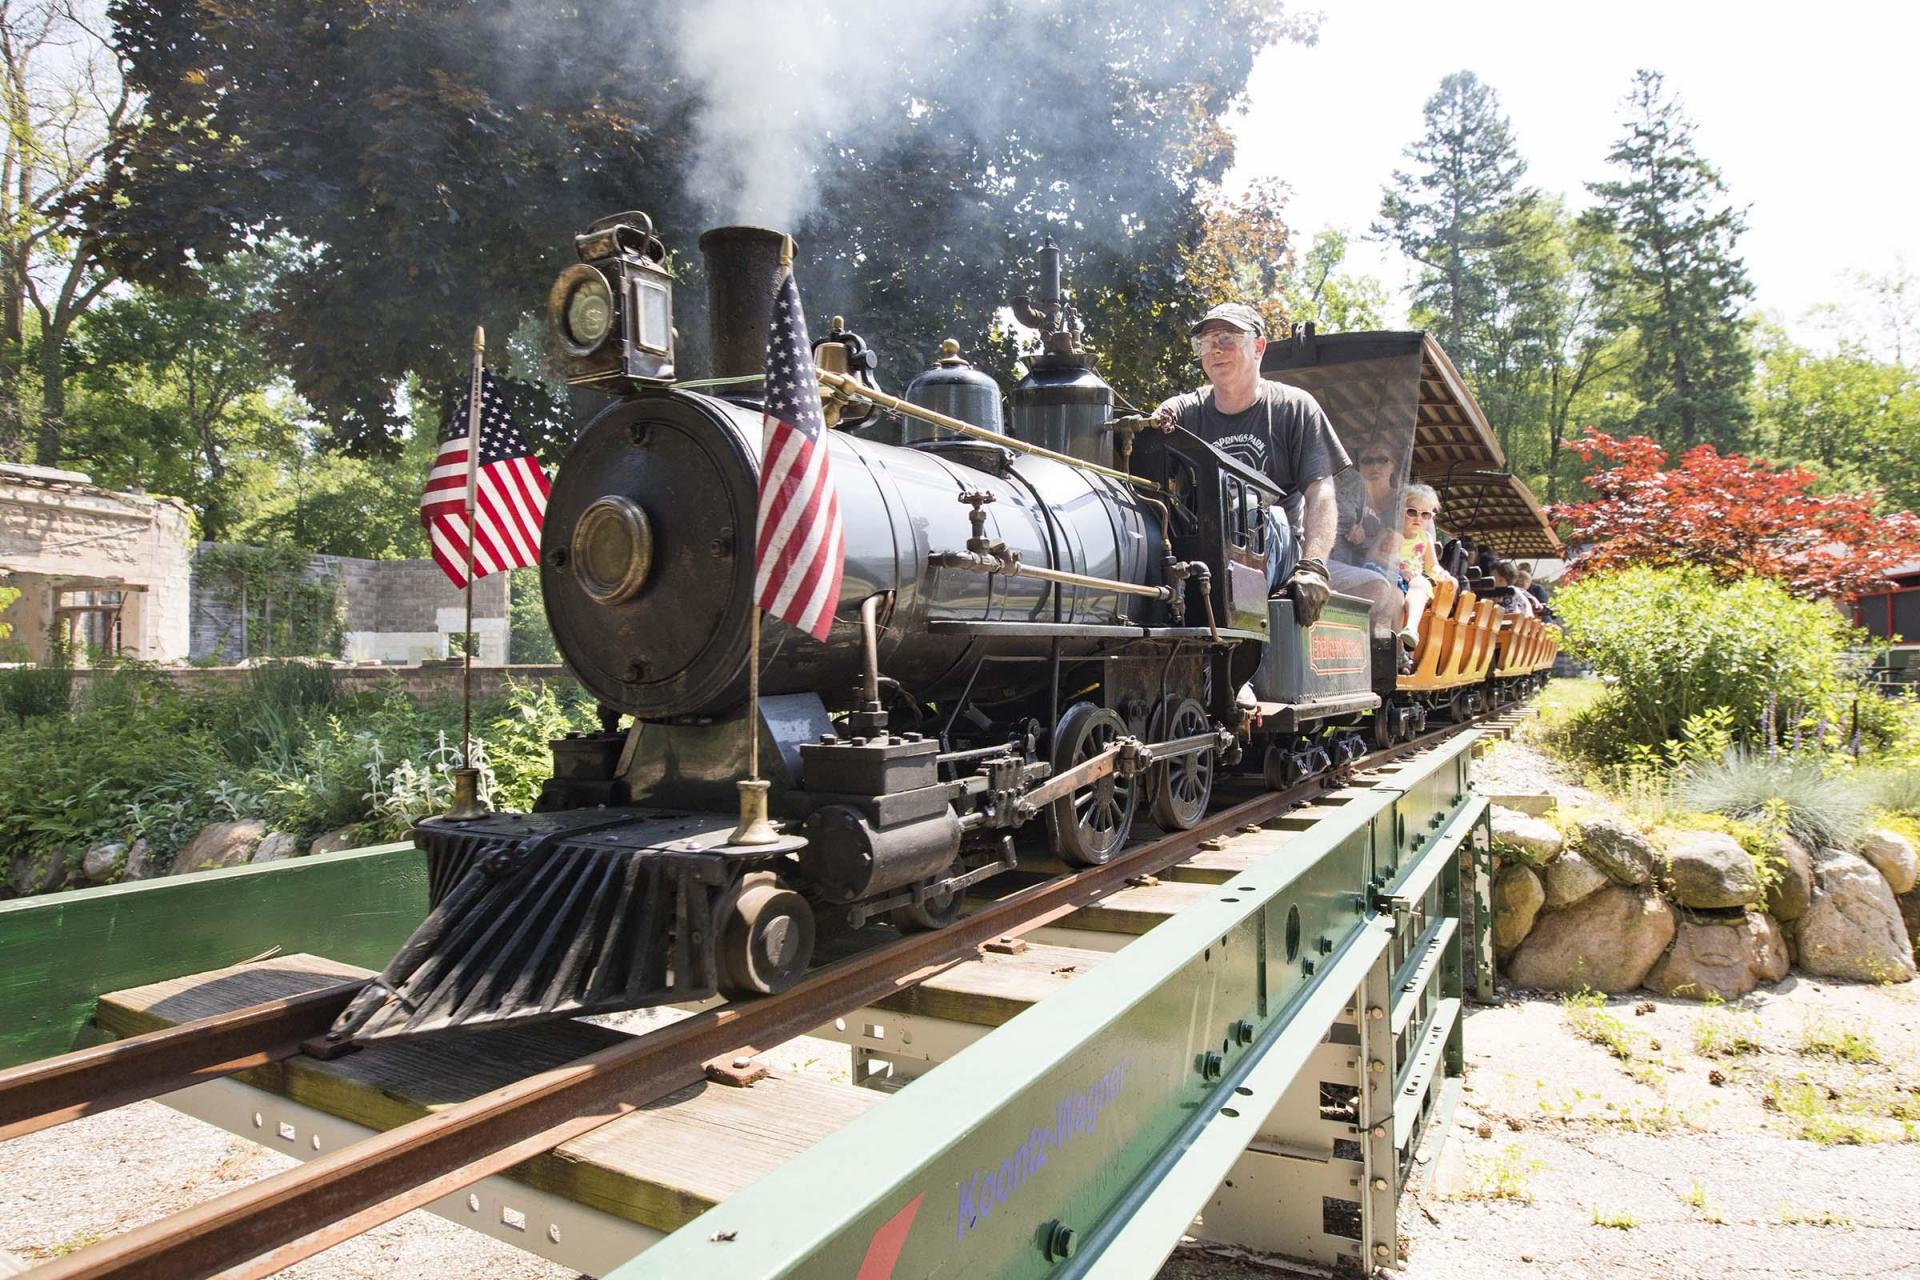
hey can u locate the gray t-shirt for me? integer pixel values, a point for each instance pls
(1283, 433)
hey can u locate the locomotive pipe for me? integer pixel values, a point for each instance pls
(1010, 565)
(870, 637)
(846, 386)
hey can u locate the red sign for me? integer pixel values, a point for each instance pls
(1336, 648)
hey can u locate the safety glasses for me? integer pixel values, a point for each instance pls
(1219, 342)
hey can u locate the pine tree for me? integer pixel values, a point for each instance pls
(1682, 284)
(1460, 210)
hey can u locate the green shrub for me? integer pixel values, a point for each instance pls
(44, 690)
(1894, 788)
(1747, 659)
(1793, 793)
(143, 758)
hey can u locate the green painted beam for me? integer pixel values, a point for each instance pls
(1060, 1127)
(1057, 1124)
(59, 952)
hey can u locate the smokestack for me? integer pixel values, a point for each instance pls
(743, 265)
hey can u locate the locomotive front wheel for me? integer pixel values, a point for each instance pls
(1183, 785)
(1090, 825)
(766, 939)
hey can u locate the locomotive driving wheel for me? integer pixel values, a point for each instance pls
(766, 938)
(1181, 785)
(1089, 825)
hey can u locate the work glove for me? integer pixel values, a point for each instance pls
(1308, 588)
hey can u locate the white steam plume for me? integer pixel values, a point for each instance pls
(779, 82)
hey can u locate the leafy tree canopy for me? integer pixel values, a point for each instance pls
(1460, 210)
(1682, 284)
(437, 156)
(1734, 517)
(1245, 253)
(176, 389)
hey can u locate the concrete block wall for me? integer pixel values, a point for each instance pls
(392, 611)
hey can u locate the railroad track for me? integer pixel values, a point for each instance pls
(262, 1228)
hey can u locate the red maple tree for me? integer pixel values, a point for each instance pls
(1734, 515)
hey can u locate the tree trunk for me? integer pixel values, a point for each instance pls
(53, 397)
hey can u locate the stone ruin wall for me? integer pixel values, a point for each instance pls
(58, 531)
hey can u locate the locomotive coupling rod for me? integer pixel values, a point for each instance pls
(1092, 769)
(1126, 757)
(38, 1095)
(846, 386)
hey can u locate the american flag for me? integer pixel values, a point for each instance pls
(802, 546)
(510, 494)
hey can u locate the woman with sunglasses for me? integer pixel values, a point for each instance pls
(1367, 507)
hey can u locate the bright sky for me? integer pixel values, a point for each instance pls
(1807, 110)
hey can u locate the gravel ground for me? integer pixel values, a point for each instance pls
(1568, 1160)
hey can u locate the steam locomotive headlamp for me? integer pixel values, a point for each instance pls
(612, 313)
(612, 550)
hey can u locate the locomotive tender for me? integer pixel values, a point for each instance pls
(1049, 627)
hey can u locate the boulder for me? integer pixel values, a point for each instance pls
(1710, 869)
(1892, 856)
(1718, 956)
(32, 873)
(1623, 852)
(224, 844)
(277, 846)
(139, 860)
(1607, 942)
(1789, 895)
(1570, 877)
(1853, 927)
(1524, 839)
(1517, 899)
(334, 841)
(101, 861)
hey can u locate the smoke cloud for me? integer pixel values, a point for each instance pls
(782, 85)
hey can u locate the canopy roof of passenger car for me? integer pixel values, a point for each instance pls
(1403, 384)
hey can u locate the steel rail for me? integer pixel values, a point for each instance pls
(271, 1224)
(38, 1095)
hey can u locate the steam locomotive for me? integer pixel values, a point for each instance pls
(1051, 626)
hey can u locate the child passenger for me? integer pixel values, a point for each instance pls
(1419, 563)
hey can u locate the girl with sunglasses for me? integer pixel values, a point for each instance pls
(1419, 564)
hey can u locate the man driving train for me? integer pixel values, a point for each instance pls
(1283, 432)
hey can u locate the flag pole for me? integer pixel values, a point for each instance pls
(753, 827)
(467, 801)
